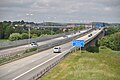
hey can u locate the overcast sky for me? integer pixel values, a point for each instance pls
(60, 10)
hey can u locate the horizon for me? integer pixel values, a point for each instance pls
(64, 22)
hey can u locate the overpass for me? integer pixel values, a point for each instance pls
(32, 67)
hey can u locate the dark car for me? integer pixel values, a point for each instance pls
(89, 35)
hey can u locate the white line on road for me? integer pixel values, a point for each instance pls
(38, 66)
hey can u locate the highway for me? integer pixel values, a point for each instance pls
(24, 47)
(25, 68)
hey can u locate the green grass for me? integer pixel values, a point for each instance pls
(4, 40)
(104, 65)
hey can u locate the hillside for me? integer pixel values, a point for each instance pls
(104, 65)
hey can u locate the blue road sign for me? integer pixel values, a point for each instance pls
(78, 43)
(99, 24)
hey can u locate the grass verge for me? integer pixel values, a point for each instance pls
(4, 60)
(104, 65)
(4, 40)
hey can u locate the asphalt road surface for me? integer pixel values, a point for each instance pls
(19, 70)
(24, 47)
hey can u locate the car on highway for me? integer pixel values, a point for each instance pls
(34, 44)
(57, 49)
(89, 35)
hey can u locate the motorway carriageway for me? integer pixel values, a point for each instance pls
(24, 47)
(24, 68)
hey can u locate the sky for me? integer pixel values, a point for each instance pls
(60, 10)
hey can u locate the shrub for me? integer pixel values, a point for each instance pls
(102, 47)
(30, 50)
(43, 35)
(24, 36)
(15, 36)
(34, 36)
(92, 49)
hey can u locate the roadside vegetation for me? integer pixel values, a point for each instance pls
(4, 40)
(111, 41)
(100, 62)
(112, 30)
(104, 65)
(111, 38)
(19, 30)
(4, 60)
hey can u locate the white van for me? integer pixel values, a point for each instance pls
(57, 49)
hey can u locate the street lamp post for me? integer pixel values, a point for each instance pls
(72, 26)
(29, 34)
(29, 28)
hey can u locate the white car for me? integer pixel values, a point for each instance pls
(34, 44)
(57, 49)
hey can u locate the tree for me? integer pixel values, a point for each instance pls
(1, 31)
(22, 22)
(111, 41)
(5, 29)
(112, 30)
(117, 41)
(8, 31)
(15, 36)
(24, 36)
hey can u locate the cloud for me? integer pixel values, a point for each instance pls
(63, 10)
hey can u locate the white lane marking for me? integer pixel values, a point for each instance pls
(37, 66)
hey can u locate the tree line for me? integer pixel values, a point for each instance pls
(8, 30)
(112, 38)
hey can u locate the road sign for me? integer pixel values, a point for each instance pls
(78, 43)
(99, 24)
